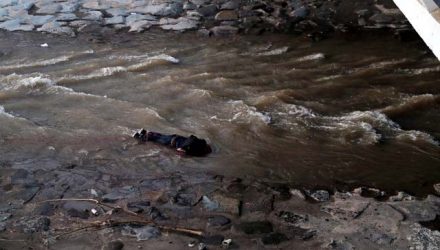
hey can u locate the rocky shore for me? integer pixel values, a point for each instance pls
(316, 18)
(213, 211)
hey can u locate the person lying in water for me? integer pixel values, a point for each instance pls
(185, 145)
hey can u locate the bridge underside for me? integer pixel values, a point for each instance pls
(424, 16)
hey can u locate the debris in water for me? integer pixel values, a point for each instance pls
(44, 45)
(94, 212)
(226, 243)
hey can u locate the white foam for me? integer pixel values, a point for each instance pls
(46, 62)
(274, 52)
(245, 113)
(35, 83)
(99, 73)
(312, 57)
(165, 57)
(4, 113)
(421, 71)
(299, 111)
(414, 135)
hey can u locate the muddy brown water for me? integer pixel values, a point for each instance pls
(278, 108)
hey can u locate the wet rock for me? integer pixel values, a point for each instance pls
(3, 14)
(45, 209)
(224, 30)
(15, 25)
(231, 5)
(281, 191)
(437, 188)
(33, 225)
(293, 218)
(416, 211)
(39, 20)
(78, 214)
(298, 194)
(401, 196)
(184, 200)
(200, 2)
(113, 245)
(27, 194)
(181, 24)
(344, 209)
(19, 176)
(189, 6)
(301, 233)
(423, 238)
(273, 238)
(114, 20)
(138, 17)
(208, 11)
(78, 209)
(51, 8)
(126, 192)
(381, 18)
(319, 195)
(56, 28)
(138, 206)
(140, 26)
(117, 12)
(66, 17)
(301, 12)
(93, 15)
(141, 233)
(257, 202)
(227, 204)
(81, 25)
(218, 221)
(215, 240)
(382, 238)
(256, 227)
(155, 214)
(5, 216)
(164, 9)
(226, 15)
(339, 245)
(69, 7)
(369, 192)
(5, 3)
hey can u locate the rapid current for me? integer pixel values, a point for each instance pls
(333, 113)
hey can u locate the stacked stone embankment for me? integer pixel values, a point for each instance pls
(209, 17)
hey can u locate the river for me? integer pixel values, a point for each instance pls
(340, 112)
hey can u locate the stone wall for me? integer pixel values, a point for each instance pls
(209, 17)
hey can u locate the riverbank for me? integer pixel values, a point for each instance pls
(227, 213)
(317, 19)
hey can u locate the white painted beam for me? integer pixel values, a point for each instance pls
(421, 15)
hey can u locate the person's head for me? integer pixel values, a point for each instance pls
(196, 147)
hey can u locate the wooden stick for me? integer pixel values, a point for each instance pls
(115, 223)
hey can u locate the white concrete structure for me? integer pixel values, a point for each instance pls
(424, 15)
